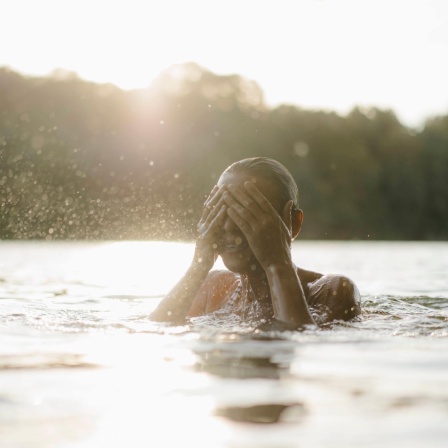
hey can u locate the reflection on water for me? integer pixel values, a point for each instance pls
(263, 413)
(229, 364)
(238, 367)
(81, 365)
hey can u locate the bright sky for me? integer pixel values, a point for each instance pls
(329, 54)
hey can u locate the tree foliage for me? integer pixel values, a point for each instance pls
(82, 160)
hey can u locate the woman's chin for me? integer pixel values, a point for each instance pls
(240, 262)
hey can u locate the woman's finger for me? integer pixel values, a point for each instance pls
(258, 197)
(210, 203)
(242, 211)
(214, 211)
(245, 199)
(242, 224)
(216, 222)
(209, 197)
(211, 214)
(214, 189)
(213, 198)
(213, 224)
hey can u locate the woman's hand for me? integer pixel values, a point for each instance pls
(268, 236)
(209, 227)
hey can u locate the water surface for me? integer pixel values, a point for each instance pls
(81, 365)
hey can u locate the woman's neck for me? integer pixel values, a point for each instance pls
(257, 284)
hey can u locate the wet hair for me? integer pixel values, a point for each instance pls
(272, 170)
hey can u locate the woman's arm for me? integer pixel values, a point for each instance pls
(288, 298)
(175, 305)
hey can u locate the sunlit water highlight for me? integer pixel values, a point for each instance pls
(82, 366)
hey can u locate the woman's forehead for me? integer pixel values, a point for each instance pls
(237, 179)
(266, 186)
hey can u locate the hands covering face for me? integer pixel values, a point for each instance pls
(210, 227)
(268, 236)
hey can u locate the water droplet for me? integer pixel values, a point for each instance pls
(238, 240)
(301, 149)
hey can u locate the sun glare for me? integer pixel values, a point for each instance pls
(138, 266)
(145, 392)
(320, 54)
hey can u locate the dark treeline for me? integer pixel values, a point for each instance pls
(81, 160)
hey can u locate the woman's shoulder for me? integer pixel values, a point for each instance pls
(335, 293)
(333, 282)
(306, 276)
(213, 292)
(222, 274)
(220, 278)
(315, 279)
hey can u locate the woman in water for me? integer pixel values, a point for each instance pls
(250, 219)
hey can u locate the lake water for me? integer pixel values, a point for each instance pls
(82, 366)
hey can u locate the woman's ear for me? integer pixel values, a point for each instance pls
(292, 218)
(287, 214)
(296, 222)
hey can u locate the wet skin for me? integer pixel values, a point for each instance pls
(244, 222)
